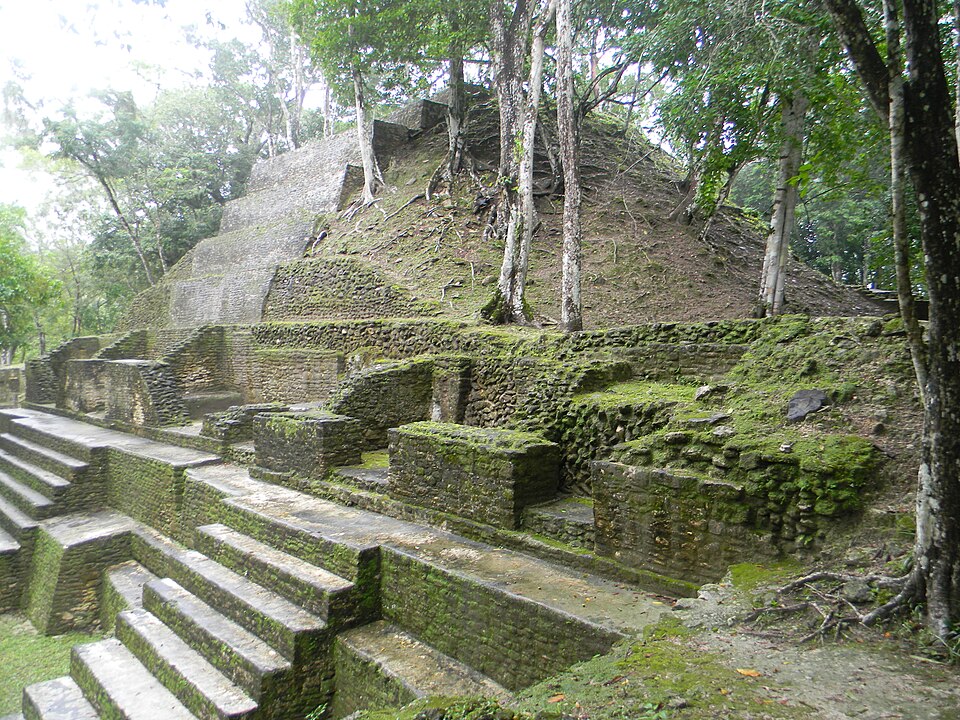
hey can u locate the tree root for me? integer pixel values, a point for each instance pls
(836, 611)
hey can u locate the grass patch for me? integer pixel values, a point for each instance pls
(26, 657)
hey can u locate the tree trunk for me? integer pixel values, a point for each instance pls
(510, 40)
(898, 181)
(327, 111)
(931, 152)
(372, 179)
(773, 275)
(527, 216)
(571, 308)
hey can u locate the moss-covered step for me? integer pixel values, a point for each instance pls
(241, 656)
(263, 514)
(183, 671)
(23, 529)
(381, 666)
(25, 498)
(16, 522)
(43, 481)
(319, 591)
(514, 618)
(119, 686)
(291, 630)
(122, 590)
(568, 520)
(57, 699)
(69, 557)
(58, 463)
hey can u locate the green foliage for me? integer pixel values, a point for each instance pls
(26, 288)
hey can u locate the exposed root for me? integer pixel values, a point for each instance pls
(836, 611)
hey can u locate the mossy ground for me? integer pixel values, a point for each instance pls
(26, 657)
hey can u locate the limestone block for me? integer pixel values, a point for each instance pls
(487, 475)
(308, 444)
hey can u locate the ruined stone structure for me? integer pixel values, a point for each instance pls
(245, 487)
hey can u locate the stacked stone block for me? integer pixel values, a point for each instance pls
(483, 474)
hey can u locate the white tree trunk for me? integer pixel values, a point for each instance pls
(571, 308)
(773, 275)
(372, 179)
(526, 218)
(510, 41)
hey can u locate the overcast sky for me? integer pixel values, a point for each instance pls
(65, 48)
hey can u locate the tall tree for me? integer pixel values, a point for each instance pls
(352, 42)
(571, 310)
(773, 274)
(510, 27)
(929, 145)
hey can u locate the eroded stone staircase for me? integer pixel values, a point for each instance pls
(269, 603)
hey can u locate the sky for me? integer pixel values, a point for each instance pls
(60, 50)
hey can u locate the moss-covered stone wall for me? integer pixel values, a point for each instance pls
(386, 396)
(336, 289)
(11, 385)
(306, 444)
(676, 525)
(515, 643)
(487, 475)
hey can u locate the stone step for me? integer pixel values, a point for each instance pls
(25, 498)
(119, 686)
(357, 562)
(8, 545)
(57, 699)
(182, 670)
(58, 434)
(379, 665)
(237, 653)
(328, 596)
(16, 522)
(43, 481)
(122, 590)
(287, 627)
(369, 479)
(569, 521)
(58, 463)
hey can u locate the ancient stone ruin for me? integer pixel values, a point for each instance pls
(284, 503)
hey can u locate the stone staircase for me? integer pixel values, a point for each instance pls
(274, 603)
(36, 482)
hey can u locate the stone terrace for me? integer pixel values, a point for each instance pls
(234, 597)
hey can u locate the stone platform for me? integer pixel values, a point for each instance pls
(233, 597)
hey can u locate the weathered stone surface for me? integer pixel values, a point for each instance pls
(185, 673)
(11, 385)
(805, 402)
(308, 444)
(59, 699)
(381, 666)
(484, 474)
(386, 396)
(120, 686)
(70, 556)
(673, 524)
